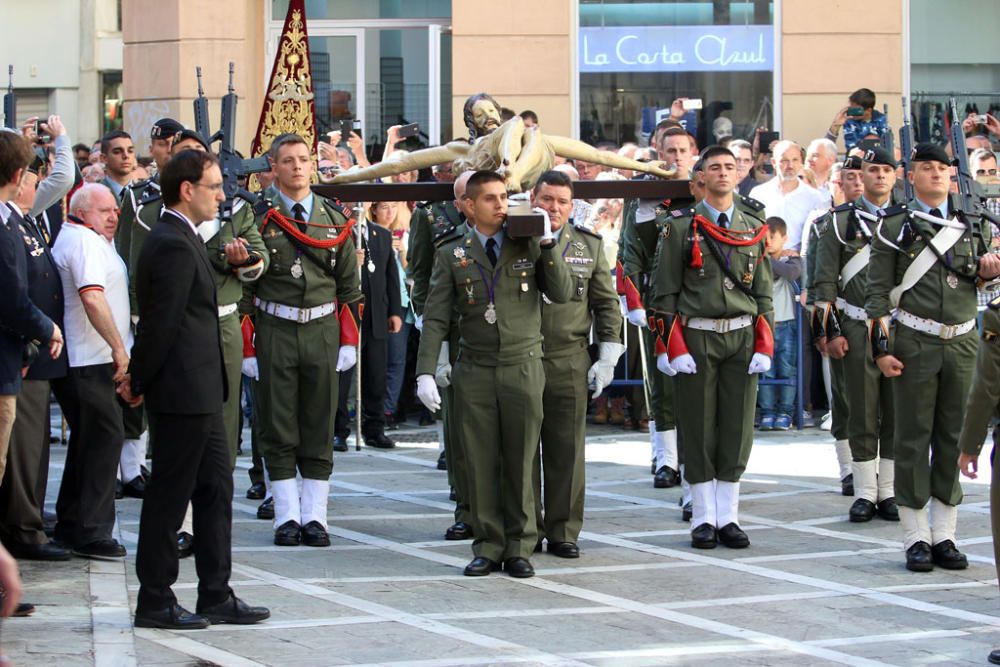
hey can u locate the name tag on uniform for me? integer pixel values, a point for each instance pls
(521, 264)
(583, 261)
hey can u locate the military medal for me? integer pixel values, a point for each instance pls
(748, 277)
(371, 266)
(952, 281)
(728, 283)
(296, 269)
(491, 310)
(459, 252)
(491, 314)
(545, 298)
(468, 293)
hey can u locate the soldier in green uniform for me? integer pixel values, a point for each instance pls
(568, 369)
(711, 307)
(495, 282)
(839, 281)
(983, 405)
(925, 260)
(307, 318)
(430, 228)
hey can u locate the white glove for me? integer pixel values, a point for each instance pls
(684, 364)
(347, 357)
(443, 374)
(663, 363)
(547, 235)
(761, 363)
(250, 368)
(419, 324)
(602, 372)
(427, 392)
(637, 318)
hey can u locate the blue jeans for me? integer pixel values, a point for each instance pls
(774, 400)
(395, 366)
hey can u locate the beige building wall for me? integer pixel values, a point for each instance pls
(827, 53)
(521, 52)
(165, 41)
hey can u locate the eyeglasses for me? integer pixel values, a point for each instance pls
(986, 172)
(215, 187)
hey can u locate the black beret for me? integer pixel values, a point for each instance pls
(927, 152)
(165, 128)
(189, 134)
(879, 155)
(852, 162)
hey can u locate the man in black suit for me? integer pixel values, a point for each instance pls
(177, 369)
(383, 314)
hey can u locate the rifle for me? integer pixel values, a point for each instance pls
(970, 195)
(10, 102)
(886, 139)
(201, 122)
(906, 150)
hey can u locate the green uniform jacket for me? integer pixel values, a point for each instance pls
(897, 243)
(983, 402)
(679, 289)
(430, 227)
(229, 288)
(816, 230)
(566, 326)
(524, 270)
(843, 236)
(132, 197)
(315, 287)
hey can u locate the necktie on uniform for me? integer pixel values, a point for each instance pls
(299, 212)
(491, 251)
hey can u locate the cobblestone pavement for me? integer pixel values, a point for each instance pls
(813, 589)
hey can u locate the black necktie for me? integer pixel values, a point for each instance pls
(491, 251)
(299, 212)
(723, 220)
(936, 212)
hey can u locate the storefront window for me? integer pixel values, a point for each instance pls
(635, 58)
(111, 100)
(370, 9)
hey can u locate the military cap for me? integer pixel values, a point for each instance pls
(852, 162)
(165, 128)
(927, 152)
(879, 155)
(189, 134)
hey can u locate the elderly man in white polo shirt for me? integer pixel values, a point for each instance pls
(98, 337)
(786, 196)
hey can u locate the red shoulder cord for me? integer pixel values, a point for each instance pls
(291, 228)
(733, 237)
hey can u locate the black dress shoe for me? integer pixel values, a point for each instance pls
(918, 557)
(686, 511)
(234, 611)
(704, 536)
(732, 536)
(257, 491)
(442, 461)
(652, 467)
(887, 509)
(862, 511)
(185, 544)
(144, 471)
(339, 444)
(458, 531)
(49, 551)
(994, 656)
(379, 441)
(174, 617)
(847, 485)
(538, 545)
(315, 535)
(480, 567)
(266, 510)
(452, 496)
(564, 549)
(666, 477)
(519, 568)
(100, 550)
(287, 534)
(23, 609)
(119, 491)
(134, 488)
(947, 555)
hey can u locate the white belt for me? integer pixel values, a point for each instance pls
(719, 325)
(942, 331)
(228, 309)
(300, 315)
(853, 312)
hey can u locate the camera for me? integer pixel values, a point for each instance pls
(691, 104)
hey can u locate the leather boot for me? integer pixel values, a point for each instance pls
(616, 413)
(600, 410)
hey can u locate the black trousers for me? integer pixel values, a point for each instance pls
(86, 503)
(191, 462)
(372, 360)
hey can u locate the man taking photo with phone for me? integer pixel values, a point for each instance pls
(858, 119)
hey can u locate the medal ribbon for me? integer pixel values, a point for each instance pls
(490, 285)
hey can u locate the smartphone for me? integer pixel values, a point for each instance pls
(348, 126)
(691, 104)
(765, 139)
(868, 144)
(855, 111)
(397, 233)
(981, 119)
(410, 130)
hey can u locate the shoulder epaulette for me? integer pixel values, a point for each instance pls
(588, 232)
(846, 206)
(334, 206)
(262, 205)
(445, 235)
(149, 195)
(426, 205)
(752, 203)
(681, 212)
(895, 210)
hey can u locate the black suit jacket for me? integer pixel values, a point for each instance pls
(381, 286)
(177, 357)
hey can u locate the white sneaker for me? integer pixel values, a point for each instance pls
(827, 423)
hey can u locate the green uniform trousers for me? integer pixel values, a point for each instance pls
(561, 457)
(232, 358)
(500, 419)
(995, 501)
(931, 392)
(661, 387)
(869, 400)
(458, 476)
(840, 408)
(715, 406)
(297, 392)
